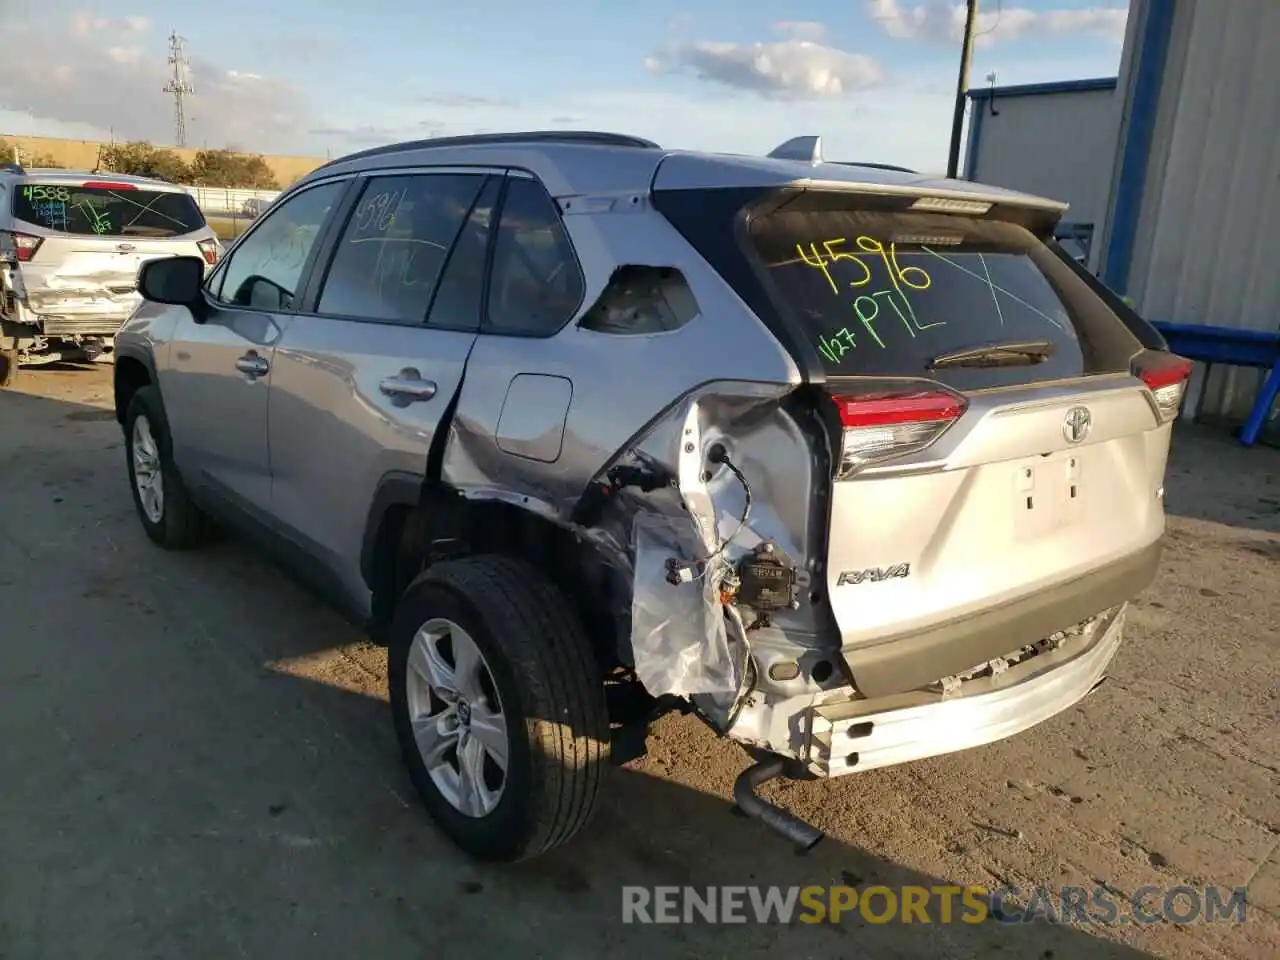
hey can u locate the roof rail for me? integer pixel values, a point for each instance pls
(11, 168)
(575, 137)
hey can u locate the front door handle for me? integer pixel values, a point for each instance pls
(252, 365)
(408, 386)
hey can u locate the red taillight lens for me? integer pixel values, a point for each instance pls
(210, 249)
(25, 245)
(1166, 376)
(884, 423)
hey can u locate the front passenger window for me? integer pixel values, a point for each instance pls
(264, 270)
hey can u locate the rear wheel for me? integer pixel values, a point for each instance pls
(498, 705)
(168, 515)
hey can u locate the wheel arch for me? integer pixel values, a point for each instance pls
(414, 522)
(134, 370)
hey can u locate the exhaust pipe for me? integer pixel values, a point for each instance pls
(802, 834)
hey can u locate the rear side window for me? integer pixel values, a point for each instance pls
(460, 294)
(107, 210)
(885, 293)
(536, 285)
(394, 246)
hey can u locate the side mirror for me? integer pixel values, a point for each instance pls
(174, 280)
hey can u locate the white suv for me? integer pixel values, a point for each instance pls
(70, 247)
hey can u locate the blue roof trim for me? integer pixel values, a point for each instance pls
(1036, 89)
(1135, 153)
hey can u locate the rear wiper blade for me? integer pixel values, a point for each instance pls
(1017, 353)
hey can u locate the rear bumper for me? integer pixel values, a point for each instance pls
(73, 326)
(898, 664)
(858, 735)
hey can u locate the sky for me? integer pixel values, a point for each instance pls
(875, 78)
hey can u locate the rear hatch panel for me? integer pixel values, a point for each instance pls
(1034, 500)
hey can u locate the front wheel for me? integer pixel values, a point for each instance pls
(168, 515)
(498, 705)
(8, 368)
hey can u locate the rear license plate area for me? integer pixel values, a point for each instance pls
(1048, 494)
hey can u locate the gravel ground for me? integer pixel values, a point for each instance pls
(197, 759)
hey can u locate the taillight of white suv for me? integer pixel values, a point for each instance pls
(25, 245)
(880, 423)
(211, 249)
(1166, 376)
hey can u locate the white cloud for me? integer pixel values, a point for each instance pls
(791, 69)
(108, 75)
(941, 21)
(800, 29)
(85, 25)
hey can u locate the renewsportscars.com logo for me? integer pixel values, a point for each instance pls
(1101, 905)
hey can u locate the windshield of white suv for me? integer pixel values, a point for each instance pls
(107, 210)
(970, 301)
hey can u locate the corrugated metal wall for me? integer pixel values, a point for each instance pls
(1071, 137)
(1205, 250)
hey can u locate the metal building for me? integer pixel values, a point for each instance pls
(1187, 230)
(1052, 139)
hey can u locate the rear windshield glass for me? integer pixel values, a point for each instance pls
(106, 211)
(905, 294)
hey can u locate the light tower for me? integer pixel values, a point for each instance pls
(179, 86)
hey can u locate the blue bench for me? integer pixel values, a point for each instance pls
(1242, 348)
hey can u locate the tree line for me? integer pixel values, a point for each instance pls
(208, 168)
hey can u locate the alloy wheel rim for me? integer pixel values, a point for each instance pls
(457, 718)
(148, 479)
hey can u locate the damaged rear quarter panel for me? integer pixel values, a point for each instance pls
(661, 400)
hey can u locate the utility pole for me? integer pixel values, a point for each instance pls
(962, 86)
(179, 87)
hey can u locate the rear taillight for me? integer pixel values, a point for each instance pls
(211, 249)
(1166, 376)
(883, 423)
(25, 245)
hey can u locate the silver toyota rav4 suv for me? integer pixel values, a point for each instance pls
(70, 248)
(856, 464)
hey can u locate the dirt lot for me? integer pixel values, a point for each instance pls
(197, 759)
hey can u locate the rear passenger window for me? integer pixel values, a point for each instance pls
(458, 300)
(536, 285)
(390, 255)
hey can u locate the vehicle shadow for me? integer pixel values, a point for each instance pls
(1212, 477)
(203, 761)
(651, 832)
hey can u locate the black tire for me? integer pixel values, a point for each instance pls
(8, 368)
(181, 525)
(552, 697)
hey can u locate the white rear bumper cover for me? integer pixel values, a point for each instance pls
(856, 735)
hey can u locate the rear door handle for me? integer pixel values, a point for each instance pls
(408, 386)
(252, 365)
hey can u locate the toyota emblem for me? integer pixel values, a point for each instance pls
(1077, 424)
